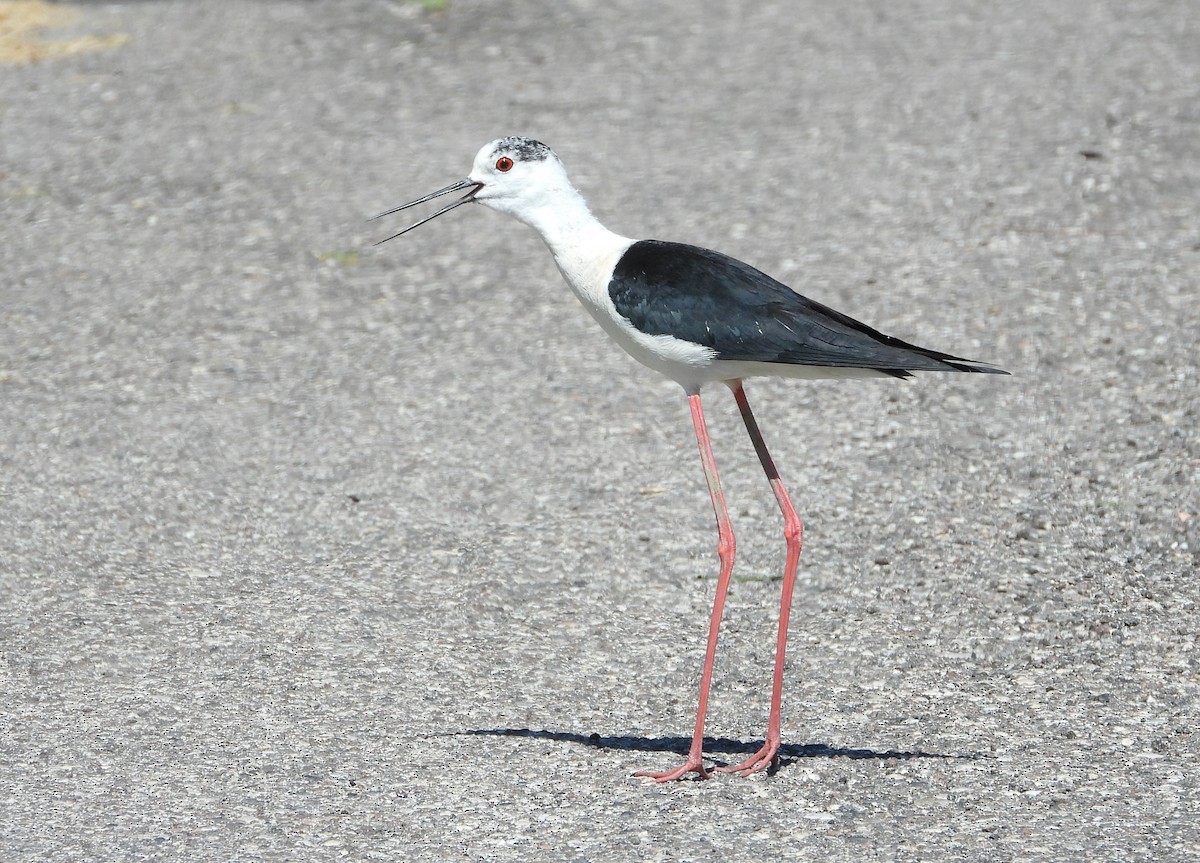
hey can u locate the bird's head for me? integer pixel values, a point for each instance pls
(513, 175)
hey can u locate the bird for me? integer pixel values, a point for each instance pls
(698, 317)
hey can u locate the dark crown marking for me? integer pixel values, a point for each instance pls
(524, 149)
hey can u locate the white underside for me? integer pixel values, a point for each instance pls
(692, 375)
(736, 369)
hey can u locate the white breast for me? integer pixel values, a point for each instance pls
(588, 276)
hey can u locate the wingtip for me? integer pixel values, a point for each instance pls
(985, 369)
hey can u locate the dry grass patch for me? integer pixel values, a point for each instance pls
(21, 22)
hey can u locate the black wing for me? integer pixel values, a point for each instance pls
(711, 299)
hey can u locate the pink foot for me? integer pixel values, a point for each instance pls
(759, 761)
(692, 765)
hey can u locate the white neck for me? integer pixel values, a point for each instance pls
(570, 230)
(584, 250)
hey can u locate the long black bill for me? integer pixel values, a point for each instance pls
(454, 187)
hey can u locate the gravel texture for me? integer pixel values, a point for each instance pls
(316, 551)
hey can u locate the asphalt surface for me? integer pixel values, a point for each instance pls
(316, 551)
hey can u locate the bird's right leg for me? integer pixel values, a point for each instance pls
(725, 551)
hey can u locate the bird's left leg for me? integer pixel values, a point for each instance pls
(793, 532)
(725, 552)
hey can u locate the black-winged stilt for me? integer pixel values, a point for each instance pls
(698, 317)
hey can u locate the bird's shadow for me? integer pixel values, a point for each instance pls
(788, 752)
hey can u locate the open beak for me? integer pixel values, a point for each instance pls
(454, 187)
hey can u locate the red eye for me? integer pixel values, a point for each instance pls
(504, 164)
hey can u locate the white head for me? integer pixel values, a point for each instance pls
(518, 176)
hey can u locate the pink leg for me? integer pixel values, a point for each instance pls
(793, 532)
(725, 551)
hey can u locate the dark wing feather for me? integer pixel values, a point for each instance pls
(714, 300)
